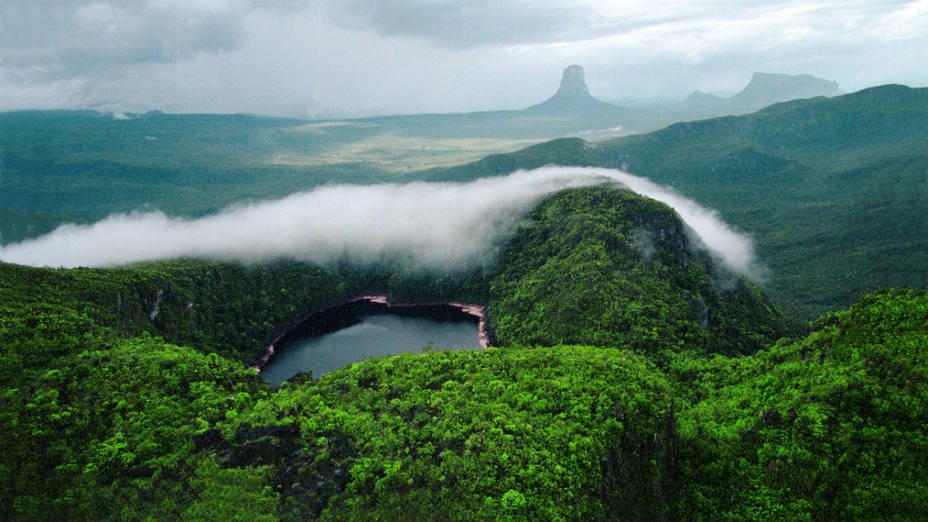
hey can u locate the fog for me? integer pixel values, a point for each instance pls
(439, 226)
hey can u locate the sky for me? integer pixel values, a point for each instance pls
(353, 58)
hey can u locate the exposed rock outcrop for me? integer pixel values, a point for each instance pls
(573, 98)
(766, 89)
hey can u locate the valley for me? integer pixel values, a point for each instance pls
(716, 319)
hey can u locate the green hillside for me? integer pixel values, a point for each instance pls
(634, 378)
(833, 190)
(828, 427)
(67, 166)
(610, 268)
(105, 417)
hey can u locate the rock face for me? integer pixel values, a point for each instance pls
(766, 89)
(573, 83)
(573, 98)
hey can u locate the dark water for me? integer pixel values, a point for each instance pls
(373, 336)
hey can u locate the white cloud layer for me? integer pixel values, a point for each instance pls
(431, 225)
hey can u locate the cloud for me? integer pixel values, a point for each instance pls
(353, 58)
(432, 225)
(458, 24)
(468, 23)
(49, 39)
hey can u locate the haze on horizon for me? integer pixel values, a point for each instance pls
(327, 58)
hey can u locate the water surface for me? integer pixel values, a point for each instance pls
(373, 336)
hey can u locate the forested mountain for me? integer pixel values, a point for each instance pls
(254, 269)
(833, 190)
(104, 418)
(610, 268)
(634, 375)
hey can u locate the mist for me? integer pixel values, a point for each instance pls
(437, 226)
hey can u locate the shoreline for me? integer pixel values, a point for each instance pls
(475, 310)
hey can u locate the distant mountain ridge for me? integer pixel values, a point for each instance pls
(766, 89)
(573, 101)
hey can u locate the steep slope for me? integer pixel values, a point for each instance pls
(835, 191)
(226, 308)
(606, 267)
(828, 428)
(103, 427)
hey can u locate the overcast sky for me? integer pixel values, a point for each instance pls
(324, 58)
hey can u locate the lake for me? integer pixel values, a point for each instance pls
(359, 335)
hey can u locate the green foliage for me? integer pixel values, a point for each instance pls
(567, 433)
(226, 308)
(110, 433)
(833, 190)
(101, 420)
(94, 425)
(830, 427)
(607, 267)
(232, 495)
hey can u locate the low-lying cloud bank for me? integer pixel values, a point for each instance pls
(435, 225)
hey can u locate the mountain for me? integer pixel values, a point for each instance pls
(128, 396)
(703, 100)
(607, 267)
(765, 89)
(769, 88)
(833, 190)
(573, 98)
(104, 422)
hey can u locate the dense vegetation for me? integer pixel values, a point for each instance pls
(829, 427)
(223, 308)
(636, 379)
(834, 190)
(511, 434)
(102, 418)
(610, 268)
(109, 432)
(98, 426)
